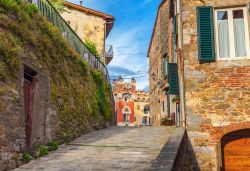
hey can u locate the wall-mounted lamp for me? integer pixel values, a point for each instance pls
(153, 76)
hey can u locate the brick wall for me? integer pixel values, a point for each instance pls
(217, 94)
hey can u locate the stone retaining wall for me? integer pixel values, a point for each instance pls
(177, 154)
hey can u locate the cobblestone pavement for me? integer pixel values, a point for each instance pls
(114, 148)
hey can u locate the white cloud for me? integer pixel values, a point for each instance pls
(129, 42)
(129, 36)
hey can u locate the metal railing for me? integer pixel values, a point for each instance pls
(52, 15)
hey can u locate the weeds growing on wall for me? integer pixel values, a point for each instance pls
(92, 47)
(80, 96)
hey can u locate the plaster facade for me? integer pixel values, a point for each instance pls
(124, 94)
(89, 25)
(142, 109)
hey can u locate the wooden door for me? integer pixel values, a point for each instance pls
(27, 88)
(236, 151)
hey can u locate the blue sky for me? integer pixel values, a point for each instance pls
(130, 36)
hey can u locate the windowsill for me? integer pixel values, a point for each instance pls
(234, 58)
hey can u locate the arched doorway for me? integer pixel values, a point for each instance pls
(126, 115)
(236, 151)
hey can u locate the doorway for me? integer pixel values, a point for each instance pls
(29, 92)
(236, 151)
(126, 118)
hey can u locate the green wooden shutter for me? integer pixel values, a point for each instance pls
(205, 27)
(173, 78)
(168, 101)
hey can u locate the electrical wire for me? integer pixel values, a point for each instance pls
(130, 54)
(125, 78)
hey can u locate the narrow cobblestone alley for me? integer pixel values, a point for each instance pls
(114, 148)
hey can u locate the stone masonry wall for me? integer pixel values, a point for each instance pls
(156, 53)
(70, 98)
(217, 94)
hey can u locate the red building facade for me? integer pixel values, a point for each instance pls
(124, 94)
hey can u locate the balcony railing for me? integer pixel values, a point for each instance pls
(109, 54)
(47, 10)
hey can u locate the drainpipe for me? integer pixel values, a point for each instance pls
(104, 42)
(182, 87)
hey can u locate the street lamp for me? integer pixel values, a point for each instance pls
(153, 76)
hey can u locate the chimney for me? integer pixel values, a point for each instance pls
(81, 2)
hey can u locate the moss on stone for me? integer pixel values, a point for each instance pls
(80, 95)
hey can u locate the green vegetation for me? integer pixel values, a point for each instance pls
(80, 95)
(26, 157)
(43, 151)
(102, 98)
(92, 47)
(58, 4)
(52, 145)
(10, 4)
(3, 75)
(32, 8)
(175, 98)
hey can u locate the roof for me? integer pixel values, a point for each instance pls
(109, 18)
(156, 21)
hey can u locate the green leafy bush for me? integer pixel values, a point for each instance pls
(58, 4)
(26, 157)
(52, 145)
(92, 47)
(43, 151)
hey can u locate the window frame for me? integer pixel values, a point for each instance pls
(231, 33)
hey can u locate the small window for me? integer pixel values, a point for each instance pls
(138, 107)
(163, 106)
(232, 33)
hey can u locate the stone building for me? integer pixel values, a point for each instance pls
(210, 40)
(161, 98)
(124, 94)
(91, 25)
(141, 108)
(131, 105)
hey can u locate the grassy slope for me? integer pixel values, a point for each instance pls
(81, 96)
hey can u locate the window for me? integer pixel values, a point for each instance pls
(163, 106)
(232, 33)
(138, 107)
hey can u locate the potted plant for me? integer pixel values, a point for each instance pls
(176, 99)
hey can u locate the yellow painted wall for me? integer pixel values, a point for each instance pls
(87, 26)
(141, 100)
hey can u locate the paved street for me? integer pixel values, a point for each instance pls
(114, 148)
